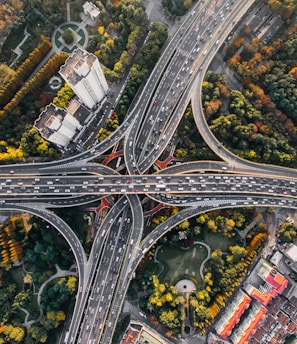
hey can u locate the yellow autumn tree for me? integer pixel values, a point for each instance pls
(71, 284)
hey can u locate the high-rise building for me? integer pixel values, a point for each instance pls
(83, 73)
(57, 125)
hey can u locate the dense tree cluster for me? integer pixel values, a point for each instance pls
(68, 36)
(54, 10)
(63, 97)
(12, 236)
(111, 125)
(246, 127)
(121, 30)
(284, 8)
(41, 255)
(9, 87)
(191, 145)
(223, 271)
(168, 305)
(144, 62)
(35, 82)
(9, 11)
(222, 275)
(42, 252)
(55, 297)
(33, 145)
(287, 232)
(268, 74)
(176, 8)
(25, 108)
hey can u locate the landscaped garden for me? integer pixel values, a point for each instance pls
(39, 290)
(207, 249)
(219, 241)
(179, 263)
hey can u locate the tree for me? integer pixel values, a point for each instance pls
(68, 36)
(13, 334)
(237, 252)
(287, 232)
(39, 333)
(212, 225)
(184, 225)
(71, 284)
(169, 318)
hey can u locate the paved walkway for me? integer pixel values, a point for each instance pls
(155, 12)
(81, 37)
(18, 50)
(202, 264)
(60, 273)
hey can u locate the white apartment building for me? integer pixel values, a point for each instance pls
(83, 73)
(57, 125)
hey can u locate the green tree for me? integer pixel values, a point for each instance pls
(68, 36)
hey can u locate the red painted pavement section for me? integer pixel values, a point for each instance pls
(155, 210)
(112, 156)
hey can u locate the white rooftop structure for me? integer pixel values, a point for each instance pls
(91, 10)
(83, 73)
(291, 253)
(276, 258)
(57, 125)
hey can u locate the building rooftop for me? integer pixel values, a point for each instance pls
(78, 110)
(269, 321)
(130, 336)
(272, 277)
(274, 306)
(259, 334)
(77, 66)
(232, 314)
(91, 9)
(212, 338)
(276, 258)
(292, 328)
(249, 326)
(139, 333)
(291, 252)
(49, 120)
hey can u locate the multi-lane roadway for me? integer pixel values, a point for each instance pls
(146, 132)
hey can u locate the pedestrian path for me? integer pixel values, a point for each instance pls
(18, 50)
(60, 273)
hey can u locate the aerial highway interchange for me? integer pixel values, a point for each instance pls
(147, 130)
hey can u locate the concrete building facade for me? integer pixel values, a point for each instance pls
(83, 73)
(57, 125)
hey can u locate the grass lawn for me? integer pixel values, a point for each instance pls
(17, 276)
(218, 241)
(33, 308)
(11, 42)
(19, 315)
(74, 27)
(180, 263)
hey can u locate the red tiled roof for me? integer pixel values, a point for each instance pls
(278, 281)
(259, 333)
(268, 322)
(279, 335)
(292, 328)
(242, 306)
(253, 326)
(276, 304)
(130, 337)
(264, 299)
(283, 318)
